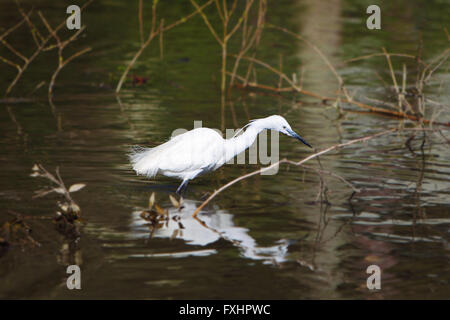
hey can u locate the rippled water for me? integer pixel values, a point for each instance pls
(265, 237)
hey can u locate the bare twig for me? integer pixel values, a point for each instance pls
(383, 54)
(391, 69)
(152, 34)
(254, 39)
(14, 27)
(227, 34)
(61, 46)
(70, 208)
(141, 23)
(316, 49)
(40, 42)
(295, 88)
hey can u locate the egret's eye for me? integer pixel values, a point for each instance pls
(284, 127)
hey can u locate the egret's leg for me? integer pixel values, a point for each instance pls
(182, 186)
(183, 192)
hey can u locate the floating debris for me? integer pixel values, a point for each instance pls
(16, 232)
(158, 217)
(67, 219)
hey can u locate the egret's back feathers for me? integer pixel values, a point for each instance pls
(183, 156)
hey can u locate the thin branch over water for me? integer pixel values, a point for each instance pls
(301, 162)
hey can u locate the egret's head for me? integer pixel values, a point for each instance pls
(280, 124)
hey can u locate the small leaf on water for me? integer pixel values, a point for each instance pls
(151, 200)
(174, 201)
(159, 210)
(77, 186)
(59, 190)
(148, 215)
(64, 206)
(75, 208)
(35, 174)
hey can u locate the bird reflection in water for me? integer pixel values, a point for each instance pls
(203, 230)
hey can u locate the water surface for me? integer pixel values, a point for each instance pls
(264, 238)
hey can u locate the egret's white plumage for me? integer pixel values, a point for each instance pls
(201, 150)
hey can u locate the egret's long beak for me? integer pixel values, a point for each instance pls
(296, 136)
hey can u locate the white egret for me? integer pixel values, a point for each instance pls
(201, 150)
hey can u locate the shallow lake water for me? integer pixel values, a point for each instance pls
(266, 237)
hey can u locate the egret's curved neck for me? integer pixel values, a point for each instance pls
(238, 144)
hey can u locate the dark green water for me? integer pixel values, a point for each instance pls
(269, 238)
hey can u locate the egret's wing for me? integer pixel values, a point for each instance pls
(194, 150)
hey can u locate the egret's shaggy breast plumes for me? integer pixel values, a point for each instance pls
(201, 150)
